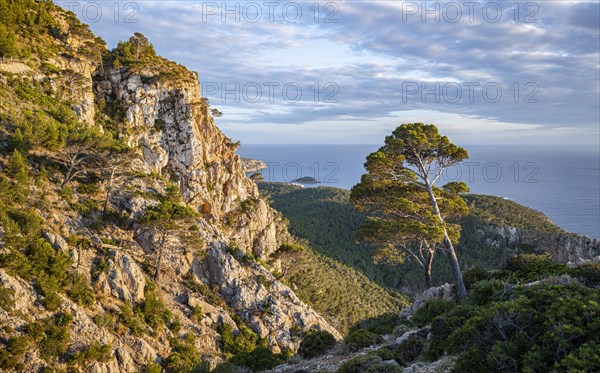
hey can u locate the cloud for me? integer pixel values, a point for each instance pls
(542, 56)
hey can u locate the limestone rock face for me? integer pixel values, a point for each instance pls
(268, 306)
(125, 277)
(444, 292)
(116, 257)
(252, 165)
(172, 125)
(564, 247)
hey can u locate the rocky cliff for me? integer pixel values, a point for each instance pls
(567, 248)
(504, 225)
(89, 280)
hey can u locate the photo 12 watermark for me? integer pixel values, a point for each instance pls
(268, 11)
(95, 11)
(469, 172)
(463, 92)
(469, 12)
(270, 92)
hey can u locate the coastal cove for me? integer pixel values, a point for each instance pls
(561, 182)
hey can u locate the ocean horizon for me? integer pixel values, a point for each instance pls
(563, 182)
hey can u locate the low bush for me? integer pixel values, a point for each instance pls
(410, 350)
(51, 335)
(94, 352)
(532, 267)
(316, 343)
(588, 274)
(11, 354)
(361, 338)
(431, 309)
(184, 356)
(259, 359)
(369, 363)
(382, 324)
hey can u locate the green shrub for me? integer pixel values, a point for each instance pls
(90, 189)
(585, 359)
(486, 291)
(153, 309)
(384, 353)
(259, 359)
(473, 275)
(7, 298)
(152, 368)
(534, 328)
(431, 309)
(131, 320)
(8, 361)
(245, 340)
(10, 356)
(51, 335)
(66, 193)
(409, 350)
(588, 274)
(104, 320)
(287, 246)
(197, 314)
(184, 356)
(94, 352)
(382, 324)
(361, 338)
(531, 267)
(443, 325)
(80, 292)
(316, 343)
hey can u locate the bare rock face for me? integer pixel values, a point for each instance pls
(252, 165)
(563, 247)
(24, 296)
(125, 278)
(269, 307)
(444, 292)
(172, 125)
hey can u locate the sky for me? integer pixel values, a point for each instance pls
(349, 72)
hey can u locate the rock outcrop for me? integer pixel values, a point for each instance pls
(564, 247)
(172, 125)
(252, 165)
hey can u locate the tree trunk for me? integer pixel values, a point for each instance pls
(428, 281)
(461, 290)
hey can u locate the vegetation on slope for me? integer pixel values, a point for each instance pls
(341, 294)
(508, 323)
(325, 218)
(502, 212)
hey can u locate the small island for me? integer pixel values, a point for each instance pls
(306, 180)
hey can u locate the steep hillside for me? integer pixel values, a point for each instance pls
(342, 294)
(532, 315)
(495, 230)
(130, 236)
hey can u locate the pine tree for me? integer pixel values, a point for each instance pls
(407, 213)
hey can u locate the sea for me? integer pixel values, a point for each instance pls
(562, 182)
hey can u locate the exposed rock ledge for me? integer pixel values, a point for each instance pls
(569, 248)
(252, 165)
